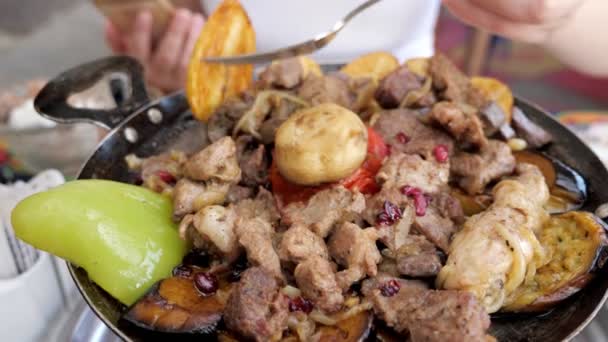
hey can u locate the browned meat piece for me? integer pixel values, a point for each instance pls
(216, 161)
(158, 173)
(421, 139)
(253, 161)
(325, 209)
(449, 206)
(238, 193)
(477, 170)
(190, 196)
(402, 169)
(281, 111)
(460, 121)
(492, 118)
(212, 229)
(526, 129)
(428, 315)
(477, 98)
(355, 249)
(506, 132)
(392, 234)
(418, 258)
(329, 88)
(435, 227)
(316, 279)
(224, 118)
(299, 243)
(256, 308)
(395, 86)
(286, 73)
(255, 235)
(262, 206)
(452, 84)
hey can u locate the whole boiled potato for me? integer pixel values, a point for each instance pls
(320, 144)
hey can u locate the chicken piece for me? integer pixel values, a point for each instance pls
(495, 249)
(262, 206)
(255, 235)
(190, 196)
(215, 229)
(402, 169)
(392, 234)
(428, 315)
(299, 243)
(256, 308)
(476, 170)
(418, 257)
(317, 281)
(325, 209)
(355, 249)
(217, 161)
(461, 121)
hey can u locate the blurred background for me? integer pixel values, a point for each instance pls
(39, 39)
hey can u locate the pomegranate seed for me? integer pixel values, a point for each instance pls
(390, 288)
(182, 271)
(389, 149)
(166, 177)
(420, 203)
(441, 153)
(402, 138)
(300, 304)
(389, 215)
(410, 191)
(206, 283)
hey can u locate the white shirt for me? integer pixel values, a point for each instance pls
(403, 27)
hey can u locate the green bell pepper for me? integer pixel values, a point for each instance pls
(121, 234)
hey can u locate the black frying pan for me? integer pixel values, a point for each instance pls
(146, 128)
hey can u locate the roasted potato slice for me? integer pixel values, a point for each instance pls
(227, 32)
(419, 66)
(174, 305)
(309, 66)
(576, 242)
(375, 65)
(497, 91)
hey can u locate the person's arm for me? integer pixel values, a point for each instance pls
(572, 29)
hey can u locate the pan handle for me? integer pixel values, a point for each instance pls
(52, 102)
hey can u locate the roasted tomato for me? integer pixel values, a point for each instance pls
(362, 180)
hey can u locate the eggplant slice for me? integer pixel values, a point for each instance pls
(353, 329)
(577, 245)
(174, 305)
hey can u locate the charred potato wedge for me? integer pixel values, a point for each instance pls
(577, 245)
(174, 305)
(227, 32)
(375, 65)
(419, 66)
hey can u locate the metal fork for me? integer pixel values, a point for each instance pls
(303, 48)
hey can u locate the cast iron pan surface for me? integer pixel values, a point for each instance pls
(146, 128)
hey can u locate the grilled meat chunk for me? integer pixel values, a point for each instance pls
(256, 236)
(476, 170)
(190, 196)
(391, 232)
(317, 281)
(222, 122)
(299, 243)
(328, 88)
(402, 169)
(217, 161)
(461, 121)
(253, 161)
(394, 87)
(286, 74)
(256, 308)
(418, 257)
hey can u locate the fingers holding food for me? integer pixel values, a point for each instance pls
(227, 32)
(321, 144)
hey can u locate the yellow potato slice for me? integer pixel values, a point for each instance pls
(419, 66)
(375, 65)
(310, 66)
(497, 91)
(227, 32)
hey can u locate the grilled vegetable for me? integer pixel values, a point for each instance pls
(375, 65)
(576, 243)
(419, 66)
(227, 32)
(176, 305)
(353, 329)
(121, 234)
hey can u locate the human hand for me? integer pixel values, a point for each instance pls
(166, 61)
(530, 21)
